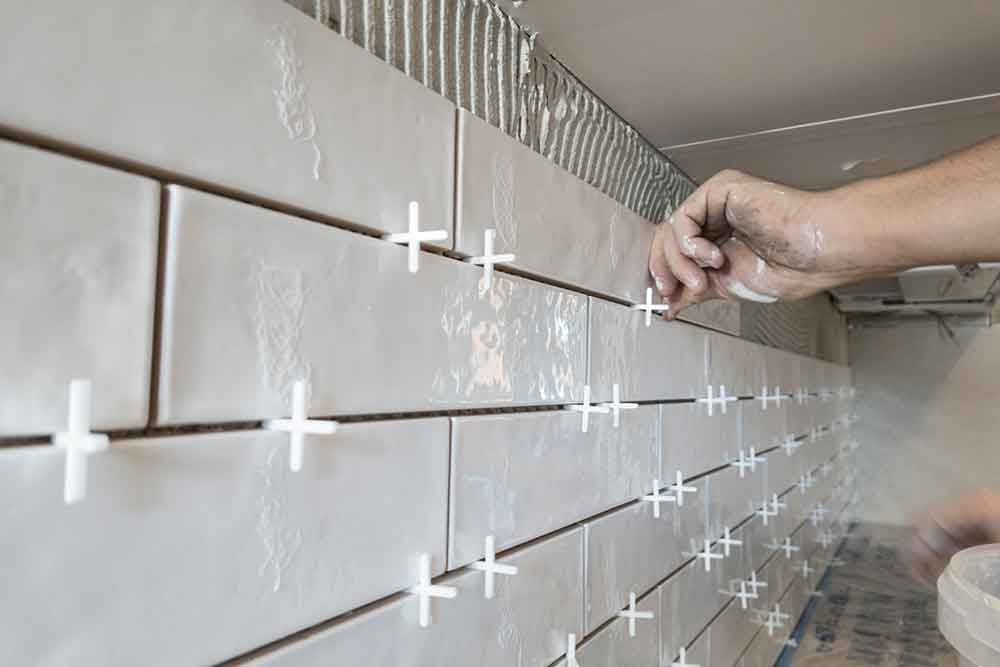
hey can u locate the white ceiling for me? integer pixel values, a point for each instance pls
(696, 71)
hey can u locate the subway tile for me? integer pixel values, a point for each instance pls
(78, 260)
(732, 362)
(520, 476)
(718, 314)
(255, 300)
(527, 623)
(267, 118)
(731, 495)
(688, 601)
(731, 633)
(191, 549)
(557, 226)
(665, 360)
(614, 646)
(630, 550)
(694, 442)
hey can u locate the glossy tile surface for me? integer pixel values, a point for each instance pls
(525, 624)
(78, 267)
(246, 96)
(517, 477)
(255, 300)
(557, 225)
(665, 360)
(192, 549)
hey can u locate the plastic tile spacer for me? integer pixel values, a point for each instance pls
(825, 539)
(764, 398)
(78, 441)
(777, 504)
(755, 582)
(682, 660)
(801, 395)
(414, 237)
(790, 444)
(298, 426)
(721, 400)
(775, 619)
(616, 406)
(650, 307)
(571, 651)
(805, 569)
(742, 463)
(678, 488)
(425, 590)
(489, 258)
(764, 511)
(656, 498)
(727, 541)
(754, 459)
(708, 555)
(785, 546)
(631, 614)
(491, 568)
(738, 590)
(586, 408)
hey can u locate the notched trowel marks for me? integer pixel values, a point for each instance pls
(294, 111)
(503, 202)
(280, 295)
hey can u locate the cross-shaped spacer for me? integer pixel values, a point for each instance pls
(616, 406)
(489, 258)
(755, 582)
(679, 489)
(656, 498)
(805, 569)
(490, 567)
(425, 590)
(754, 459)
(299, 425)
(727, 541)
(790, 444)
(742, 463)
(78, 442)
(571, 651)
(801, 395)
(711, 400)
(586, 408)
(777, 504)
(414, 237)
(764, 512)
(682, 660)
(631, 614)
(764, 398)
(708, 555)
(786, 546)
(649, 306)
(738, 589)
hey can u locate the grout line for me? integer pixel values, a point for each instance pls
(255, 424)
(159, 287)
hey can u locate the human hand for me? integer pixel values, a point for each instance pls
(740, 236)
(944, 530)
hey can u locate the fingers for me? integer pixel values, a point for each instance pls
(664, 279)
(669, 268)
(685, 298)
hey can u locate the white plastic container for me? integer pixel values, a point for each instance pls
(969, 605)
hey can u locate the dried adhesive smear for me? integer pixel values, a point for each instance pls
(479, 57)
(279, 316)
(291, 97)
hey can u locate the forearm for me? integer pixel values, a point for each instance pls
(947, 212)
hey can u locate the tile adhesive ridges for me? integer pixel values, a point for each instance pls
(479, 57)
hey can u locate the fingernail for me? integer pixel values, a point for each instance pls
(659, 283)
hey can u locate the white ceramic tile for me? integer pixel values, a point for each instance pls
(249, 97)
(614, 646)
(694, 442)
(764, 426)
(558, 226)
(191, 549)
(665, 360)
(525, 624)
(255, 300)
(630, 550)
(520, 476)
(731, 633)
(78, 260)
(688, 600)
(719, 314)
(731, 362)
(731, 496)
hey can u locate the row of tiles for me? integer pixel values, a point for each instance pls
(254, 300)
(298, 141)
(533, 612)
(217, 523)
